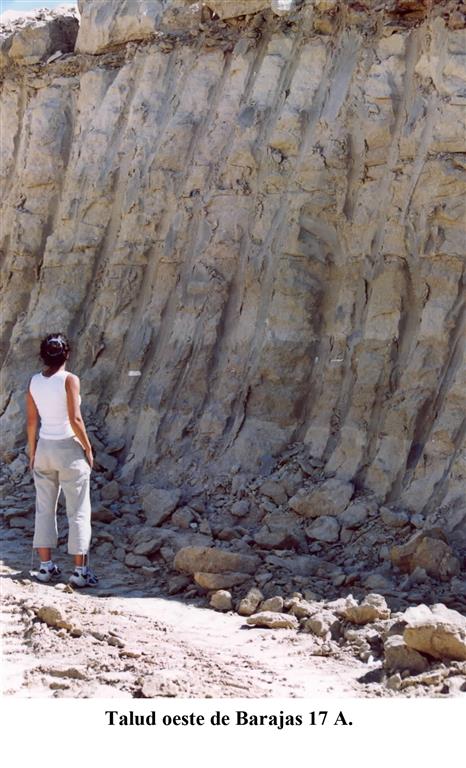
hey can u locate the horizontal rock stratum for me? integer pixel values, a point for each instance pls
(253, 230)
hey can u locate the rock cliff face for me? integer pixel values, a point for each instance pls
(252, 227)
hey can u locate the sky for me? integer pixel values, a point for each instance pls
(29, 5)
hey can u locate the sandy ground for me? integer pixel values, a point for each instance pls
(125, 641)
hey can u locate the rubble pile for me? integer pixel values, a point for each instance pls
(388, 588)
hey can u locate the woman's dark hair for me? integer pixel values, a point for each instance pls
(55, 349)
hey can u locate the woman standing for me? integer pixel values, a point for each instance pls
(62, 458)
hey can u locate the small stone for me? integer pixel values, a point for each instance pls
(310, 595)
(228, 534)
(149, 570)
(249, 604)
(158, 503)
(419, 576)
(430, 677)
(322, 624)
(276, 537)
(221, 600)
(13, 512)
(399, 657)
(182, 517)
(300, 608)
(102, 515)
(105, 461)
(274, 604)
(19, 522)
(392, 518)
(394, 682)
(324, 529)
(273, 620)
(329, 498)
(205, 528)
(166, 683)
(274, 491)
(71, 672)
(377, 581)
(167, 554)
(373, 607)
(178, 583)
(148, 547)
(49, 615)
(115, 641)
(136, 561)
(110, 491)
(346, 534)
(355, 514)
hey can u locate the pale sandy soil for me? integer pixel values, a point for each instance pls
(164, 647)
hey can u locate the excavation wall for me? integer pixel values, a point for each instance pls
(253, 229)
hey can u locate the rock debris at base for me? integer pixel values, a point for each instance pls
(410, 633)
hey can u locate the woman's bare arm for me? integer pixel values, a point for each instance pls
(72, 388)
(32, 421)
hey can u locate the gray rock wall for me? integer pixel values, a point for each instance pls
(264, 217)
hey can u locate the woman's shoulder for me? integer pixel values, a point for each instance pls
(71, 379)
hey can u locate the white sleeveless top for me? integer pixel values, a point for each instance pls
(49, 395)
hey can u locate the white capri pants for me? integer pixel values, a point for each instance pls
(62, 464)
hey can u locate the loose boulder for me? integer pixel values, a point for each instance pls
(373, 607)
(324, 529)
(273, 620)
(329, 498)
(274, 604)
(249, 604)
(158, 504)
(399, 657)
(221, 600)
(438, 631)
(213, 560)
(428, 550)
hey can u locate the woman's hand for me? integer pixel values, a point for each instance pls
(31, 461)
(90, 457)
